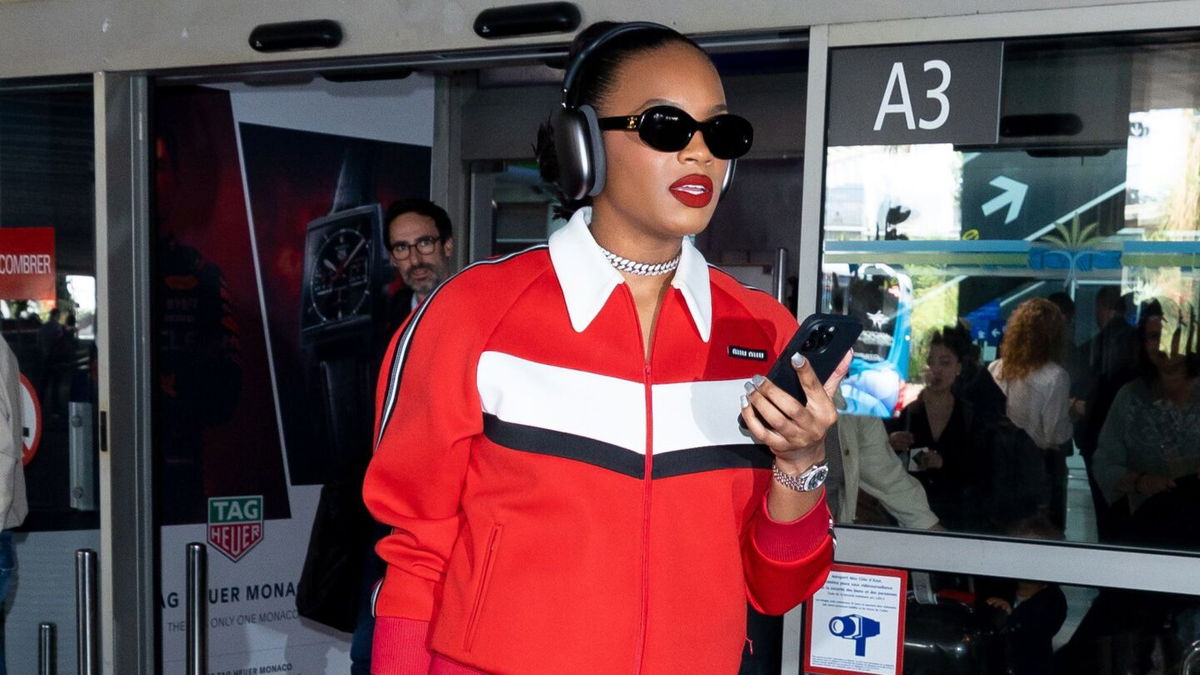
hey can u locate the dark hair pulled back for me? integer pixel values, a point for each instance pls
(593, 83)
(956, 339)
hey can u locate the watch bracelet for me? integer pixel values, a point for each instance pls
(796, 483)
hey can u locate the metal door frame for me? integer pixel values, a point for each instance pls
(128, 555)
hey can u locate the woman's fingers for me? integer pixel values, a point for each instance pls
(780, 399)
(785, 416)
(835, 380)
(758, 431)
(763, 396)
(820, 395)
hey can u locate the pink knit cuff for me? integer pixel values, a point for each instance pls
(789, 542)
(398, 648)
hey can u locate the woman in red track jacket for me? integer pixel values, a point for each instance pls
(557, 451)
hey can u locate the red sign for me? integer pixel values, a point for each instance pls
(27, 263)
(31, 421)
(235, 540)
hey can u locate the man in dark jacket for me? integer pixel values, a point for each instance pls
(1109, 359)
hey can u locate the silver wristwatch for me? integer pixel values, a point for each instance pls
(810, 479)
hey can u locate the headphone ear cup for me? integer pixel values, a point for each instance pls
(572, 149)
(595, 140)
(729, 171)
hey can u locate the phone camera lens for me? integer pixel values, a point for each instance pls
(808, 345)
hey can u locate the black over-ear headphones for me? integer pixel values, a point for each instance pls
(578, 143)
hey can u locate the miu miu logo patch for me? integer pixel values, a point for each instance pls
(747, 353)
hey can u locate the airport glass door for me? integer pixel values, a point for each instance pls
(1030, 200)
(48, 318)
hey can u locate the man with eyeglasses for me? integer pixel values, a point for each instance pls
(420, 244)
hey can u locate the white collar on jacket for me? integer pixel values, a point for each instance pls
(587, 279)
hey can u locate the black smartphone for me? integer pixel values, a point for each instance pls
(823, 339)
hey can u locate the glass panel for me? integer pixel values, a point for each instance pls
(1030, 305)
(47, 305)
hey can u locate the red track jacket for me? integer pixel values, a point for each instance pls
(561, 505)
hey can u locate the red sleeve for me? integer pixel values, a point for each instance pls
(786, 542)
(786, 563)
(427, 411)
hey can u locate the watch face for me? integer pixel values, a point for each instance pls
(341, 275)
(341, 279)
(816, 478)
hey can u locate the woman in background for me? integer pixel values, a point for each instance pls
(1148, 454)
(1021, 415)
(936, 431)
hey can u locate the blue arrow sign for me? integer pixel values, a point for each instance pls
(1013, 196)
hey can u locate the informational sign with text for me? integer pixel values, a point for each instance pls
(855, 623)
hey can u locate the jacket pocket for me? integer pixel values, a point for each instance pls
(489, 559)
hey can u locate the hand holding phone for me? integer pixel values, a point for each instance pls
(823, 340)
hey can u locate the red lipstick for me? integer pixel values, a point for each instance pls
(695, 190)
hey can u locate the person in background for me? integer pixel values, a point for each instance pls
(1021, 408)
(1109, 357)
(861, 461)
(1072, 360)
(420, 244)
(935, 431)
(13, 506)
(1034, 611)
(1030, 376)
(50, 347)
(1072, 357)
(1148, 451)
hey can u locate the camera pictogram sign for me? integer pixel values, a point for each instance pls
(855, 623)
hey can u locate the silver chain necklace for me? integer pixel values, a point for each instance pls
(640, 269)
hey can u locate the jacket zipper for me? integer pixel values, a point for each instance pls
(647, 483)
(489, 559)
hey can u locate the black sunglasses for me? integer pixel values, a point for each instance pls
(670, 129)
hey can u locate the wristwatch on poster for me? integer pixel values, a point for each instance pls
(810, 479)
(340, 295)
(342, 263)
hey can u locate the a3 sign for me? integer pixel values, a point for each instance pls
(931, 93)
